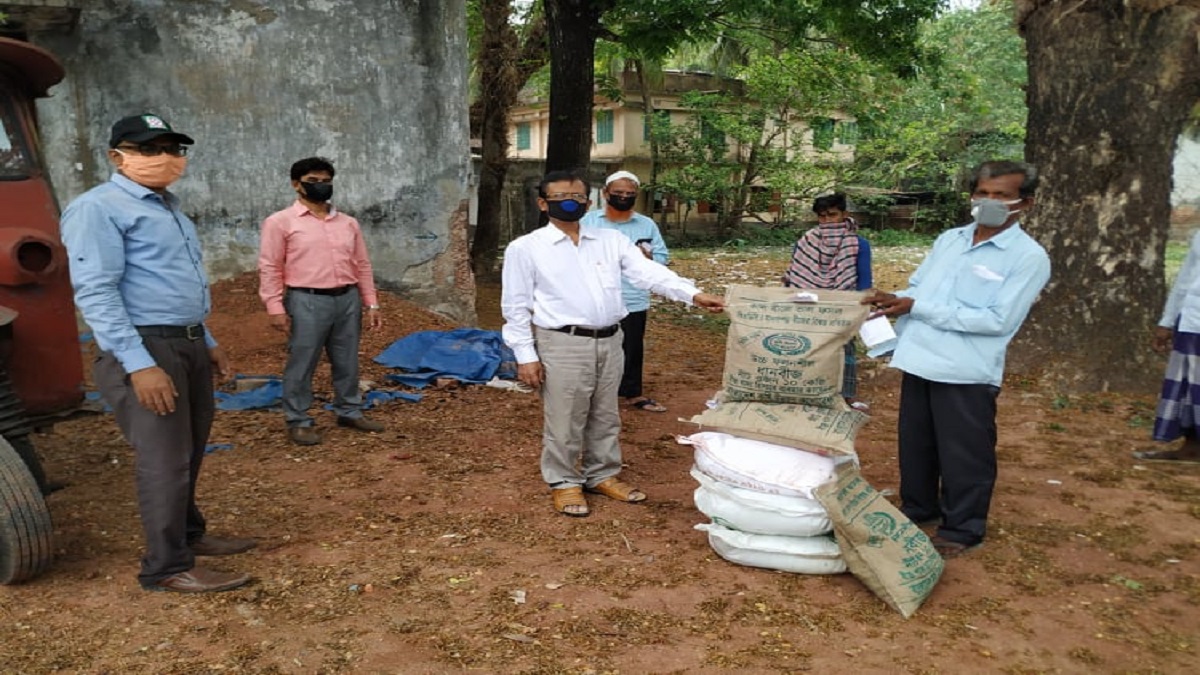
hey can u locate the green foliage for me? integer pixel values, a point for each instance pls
(898, 238)
(925, 133)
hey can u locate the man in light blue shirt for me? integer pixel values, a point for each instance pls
(961, 308)
(140, 284)
(620, 195)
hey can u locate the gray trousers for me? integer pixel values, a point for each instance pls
(581, 423)
(168, 449)
(328, 323)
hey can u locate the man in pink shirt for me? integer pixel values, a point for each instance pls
(315, 278)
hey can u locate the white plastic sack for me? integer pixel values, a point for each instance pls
(758, 512)
(760, 466)
(802, 555)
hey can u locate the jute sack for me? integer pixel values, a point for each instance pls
(825, 431)
(881, 546)
(781, 351)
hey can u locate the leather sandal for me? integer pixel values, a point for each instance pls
(614, 488)
(565, 498)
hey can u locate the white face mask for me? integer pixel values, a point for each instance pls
(992, 212)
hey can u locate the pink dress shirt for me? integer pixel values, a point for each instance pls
(300, 249)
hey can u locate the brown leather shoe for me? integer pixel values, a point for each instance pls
(199, 580)
(210, 545)
(304, 435)
(360, 423)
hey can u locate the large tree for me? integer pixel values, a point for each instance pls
(882, 30)
(1111, 86)
(574, 26)
(506, 59)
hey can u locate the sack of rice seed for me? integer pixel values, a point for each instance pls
(881, 546)
(785, 344)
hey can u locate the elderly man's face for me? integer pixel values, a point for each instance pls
(622, 188)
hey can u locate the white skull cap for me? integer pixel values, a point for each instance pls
(622, 174)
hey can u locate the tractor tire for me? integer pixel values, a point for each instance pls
(25, 528)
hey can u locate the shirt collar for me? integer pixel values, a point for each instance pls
(552, 234)
(141, 191)
(299, 209)
(1001, 241)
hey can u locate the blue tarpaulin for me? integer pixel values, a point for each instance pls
(471, 355)
(266, 396)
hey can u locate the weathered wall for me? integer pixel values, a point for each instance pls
(378, 87)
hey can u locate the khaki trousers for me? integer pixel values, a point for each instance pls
(581, 423)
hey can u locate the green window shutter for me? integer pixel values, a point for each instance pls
(847, 132)
(822, 133)
(604, 126)
(523, 137)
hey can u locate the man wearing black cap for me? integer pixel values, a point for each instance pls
(140, 284)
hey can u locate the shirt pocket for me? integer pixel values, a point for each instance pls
(340, 240)
(608, 275)
(978, 286)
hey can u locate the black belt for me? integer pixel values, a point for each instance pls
(336, 290)
(595, 333)
(195, 332)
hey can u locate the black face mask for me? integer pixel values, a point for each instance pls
(317, 192)
(567, 210)
(622, 203)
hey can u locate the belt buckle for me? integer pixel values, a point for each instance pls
(194, 332)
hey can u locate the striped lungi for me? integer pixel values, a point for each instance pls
(1177, 407)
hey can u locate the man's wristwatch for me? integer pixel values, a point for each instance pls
(373, 307)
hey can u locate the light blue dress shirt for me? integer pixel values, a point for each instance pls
(636, 228)
(969, 301)
(135, 261)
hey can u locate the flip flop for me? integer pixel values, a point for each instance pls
(648, 405)
(1164, 456)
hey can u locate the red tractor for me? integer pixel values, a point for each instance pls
(41, 368)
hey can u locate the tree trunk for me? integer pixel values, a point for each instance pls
(573, 26)
(1110, 88)
(504, 67)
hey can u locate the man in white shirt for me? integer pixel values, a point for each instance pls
(562, 307)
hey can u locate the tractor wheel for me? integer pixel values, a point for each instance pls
(25, 528)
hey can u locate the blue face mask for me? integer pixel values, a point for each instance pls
(567, 210)
(992, 212)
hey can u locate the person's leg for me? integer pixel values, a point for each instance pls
(919, 470)
(602, 435)
(633, 327)
(163, 461)
(1177, 414)
(342, 348)
(965, 424)
(569, 368)
(201, 407)
(312, 320)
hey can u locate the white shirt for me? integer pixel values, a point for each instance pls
(1183, 302)
(550, 282)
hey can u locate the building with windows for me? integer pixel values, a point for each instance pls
(621, 133)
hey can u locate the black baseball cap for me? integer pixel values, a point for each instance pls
(142, 128)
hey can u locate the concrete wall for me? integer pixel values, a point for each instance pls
(378, 87)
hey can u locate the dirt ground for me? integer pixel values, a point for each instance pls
(432, 547)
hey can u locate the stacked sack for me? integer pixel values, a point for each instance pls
(779, 428)
(759, 497)
(777, 467)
